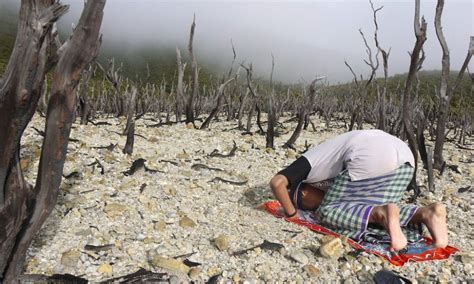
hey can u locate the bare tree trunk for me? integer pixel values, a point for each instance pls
(240, 113)
(132, 102)
(381, 120)
(220, 97)
(445, 91)
(415, 65)
(20, 89)
(180, 86)
(307, 104)
(194, 78)
(83, 98)
(80, 49)
(255, 98)
(272, 116)
(270, 127)
(248, 127)
(128, 149)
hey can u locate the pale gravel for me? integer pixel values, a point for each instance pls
(216, 208)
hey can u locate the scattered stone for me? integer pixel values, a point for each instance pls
(115, 209)
(168, 263)
(222, 242)
(70, 258)
(190, 125)
(24, 163)
(183, 156)
(159, 226)
(290, 154)
(213, 270)
(170, 190)
(299, 257)
(148, 240)
(105, 268)
(186, 222)
(194, 273)
(331, 249)
(312, 270)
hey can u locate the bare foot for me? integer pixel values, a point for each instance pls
(434, 217)
(389, 216)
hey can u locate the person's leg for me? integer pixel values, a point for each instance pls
(434, 217)
(388, 215)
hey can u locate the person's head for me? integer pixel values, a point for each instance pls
(306, 197)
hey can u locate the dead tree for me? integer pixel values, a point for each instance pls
(24, 209)
(130, 127)
(445, 90)
(84, 102)
(20, 90)
(254, 104)
(415, 64)
(381, 120)
(220, 97)
(113, 75)
(307, 103)
(361, 88)
(220, 93)
(180, 85)
(271, 111)
(189, 109)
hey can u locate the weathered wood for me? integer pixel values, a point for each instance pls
(220, 97)
(84, 103)
(20, 89)
(445, 90)
(180, 85)
(415, 65)
(194, 77)
(79, 50)
(306, 104)
(381, 120)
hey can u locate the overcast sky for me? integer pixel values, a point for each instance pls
(307, 38)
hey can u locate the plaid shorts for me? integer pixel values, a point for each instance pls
(347, 205)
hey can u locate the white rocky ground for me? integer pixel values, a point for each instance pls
(180, 211)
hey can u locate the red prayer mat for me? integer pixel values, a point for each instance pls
(419, 251)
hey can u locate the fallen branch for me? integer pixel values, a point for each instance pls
(168, 161)
(217, 179)
(215, 152)
(142, 187)
(265, 245)
(111, 147)
(97, 162)
(99, 248)
(202, 166)
(137, 165)
(100, 123)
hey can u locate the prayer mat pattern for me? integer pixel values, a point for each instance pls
(347, 205)
(415, 251)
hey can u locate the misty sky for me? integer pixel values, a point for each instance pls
(307, 38)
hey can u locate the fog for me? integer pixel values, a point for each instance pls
(307, 38)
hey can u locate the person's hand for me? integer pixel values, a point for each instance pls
(293, 218)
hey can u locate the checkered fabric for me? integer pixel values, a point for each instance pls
(347, 205)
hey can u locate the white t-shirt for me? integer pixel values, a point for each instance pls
(364, 153)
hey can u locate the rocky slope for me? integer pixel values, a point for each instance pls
(112, 224)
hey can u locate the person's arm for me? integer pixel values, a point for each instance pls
(290, 177)
(279, 186)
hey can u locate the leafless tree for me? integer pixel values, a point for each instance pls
(84, 101)
(307, 102)
(194, 77)
(415, 64)
(24, 209)
(445, 90)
